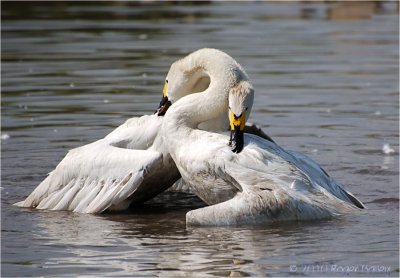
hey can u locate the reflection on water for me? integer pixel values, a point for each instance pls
(326, 80)
(354, 10)
(146, 243)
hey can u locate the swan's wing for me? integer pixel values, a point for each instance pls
(101, 174)
(94, 177)
(267, 197)
(136, 133)
(321, 177)
(272, 188)
(292, 170)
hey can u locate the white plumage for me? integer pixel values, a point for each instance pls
(103, 174)
(129, 165)
(136, 161)
(261, 184)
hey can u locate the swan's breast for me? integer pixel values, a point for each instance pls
(202, 168)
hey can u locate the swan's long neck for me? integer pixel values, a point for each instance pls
(188, 112)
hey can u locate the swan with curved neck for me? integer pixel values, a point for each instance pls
(225, 76)
(131, 164)
(258, 182)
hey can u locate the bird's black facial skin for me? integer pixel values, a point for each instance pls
(237, 140)
(163, 107)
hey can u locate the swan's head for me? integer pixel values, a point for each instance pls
(184, 77)
(165, 103)
(240, 103)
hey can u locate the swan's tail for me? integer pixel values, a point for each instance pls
(354, 200)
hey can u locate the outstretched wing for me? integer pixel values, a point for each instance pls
(103, 174)
(94, 177)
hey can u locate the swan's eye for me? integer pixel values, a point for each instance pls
(247, 108)
(166, 81)
(229, 107)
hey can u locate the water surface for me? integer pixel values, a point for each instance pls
(325, 85)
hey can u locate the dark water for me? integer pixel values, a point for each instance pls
(326, 80)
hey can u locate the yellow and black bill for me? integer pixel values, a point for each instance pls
(164, 103)
(237, 124)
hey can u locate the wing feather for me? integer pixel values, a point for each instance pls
(94, 177)
(52, 201)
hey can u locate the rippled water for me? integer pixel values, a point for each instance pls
(325, 85)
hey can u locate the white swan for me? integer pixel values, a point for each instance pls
(253, 180)
(130, 164)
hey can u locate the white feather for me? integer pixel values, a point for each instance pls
(89, 178)
(261, 184)
(93, 177)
